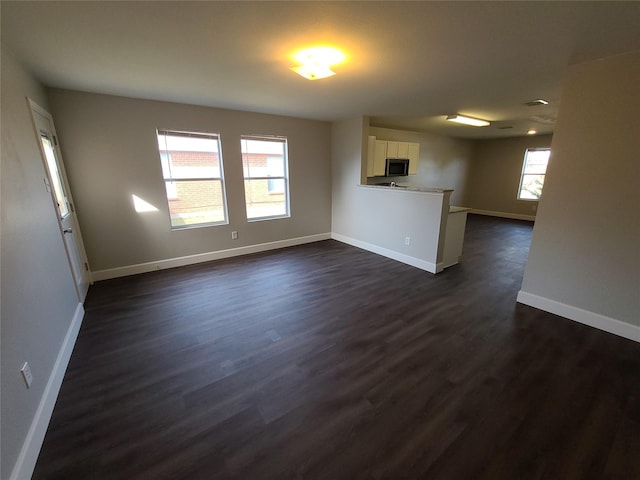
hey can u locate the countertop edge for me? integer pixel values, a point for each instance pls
(408, 189)
(454, 209)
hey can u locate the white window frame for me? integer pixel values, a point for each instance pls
(284, 178)
(523, 174)
(172, 180)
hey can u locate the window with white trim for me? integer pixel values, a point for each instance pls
(534, 170)
(266, 177)
(193, 177)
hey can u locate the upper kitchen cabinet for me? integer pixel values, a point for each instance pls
(376, 157)
(413, 155)
(380, 150)
(403, 150)
(392, 148)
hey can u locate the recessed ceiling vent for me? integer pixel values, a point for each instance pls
(507, 127)
(535, 103)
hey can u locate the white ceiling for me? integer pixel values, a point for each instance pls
(410, 63)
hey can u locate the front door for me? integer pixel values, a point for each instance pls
(56, 183)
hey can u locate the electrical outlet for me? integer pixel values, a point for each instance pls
(26, 374)
(407, 240)
(234, 235)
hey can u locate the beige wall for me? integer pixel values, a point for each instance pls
(444, 161)
(110, 150)
(38, 294)
(495, 171)
(585, 249)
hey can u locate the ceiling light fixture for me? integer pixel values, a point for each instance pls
(475, 122)
(532, 132)
(315, 62)
(534, 103)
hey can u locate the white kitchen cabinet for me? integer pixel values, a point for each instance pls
(376, 157)
(392, 148)
(403, 150)
(371, 153)
(379, 158)
(414, 156)
(380, 150)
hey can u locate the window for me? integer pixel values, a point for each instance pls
(533, 172)
(54, 173)
(266, 183)
(192, 172)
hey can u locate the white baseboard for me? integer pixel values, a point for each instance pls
(515, 216)
(203, 257)
(35, 436)
(385, 252)
(608, 324)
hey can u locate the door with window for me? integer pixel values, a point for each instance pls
(56, 184)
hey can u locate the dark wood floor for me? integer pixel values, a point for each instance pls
(328, 362)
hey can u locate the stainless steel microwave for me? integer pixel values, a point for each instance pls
(397, 167)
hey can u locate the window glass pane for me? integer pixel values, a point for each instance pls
(56, 180)
(275, 186)
(264, 163)
(189, 157)
(254, 165)
(275, 166)
(196, 202)
(192, 170)
(260, 202)
(536, 161)
(532, 186)
(263, 158)
(172, 190)
(164, 160)
(533, 173)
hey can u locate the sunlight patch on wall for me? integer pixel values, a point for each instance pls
(141, 205)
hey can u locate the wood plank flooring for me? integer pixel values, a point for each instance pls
(324, 361)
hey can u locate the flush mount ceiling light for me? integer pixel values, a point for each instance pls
(532, 132)
(475, 122)
(315, 62)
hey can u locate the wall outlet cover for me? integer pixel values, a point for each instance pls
(26, 374)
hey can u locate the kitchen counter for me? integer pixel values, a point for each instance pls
(401, 188)
(453, 209)
(416, 226)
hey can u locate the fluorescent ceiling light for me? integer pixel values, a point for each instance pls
(475, 122)
(315, 62)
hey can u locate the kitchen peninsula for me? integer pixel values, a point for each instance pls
(417, 225)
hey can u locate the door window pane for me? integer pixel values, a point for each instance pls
(54, 174)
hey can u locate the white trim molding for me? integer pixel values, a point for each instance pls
(385, 252)
(515, 216)
(601, 322)
(35, 436)
(204, 257)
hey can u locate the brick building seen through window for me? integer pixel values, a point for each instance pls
(187, 197)
(192, 172)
